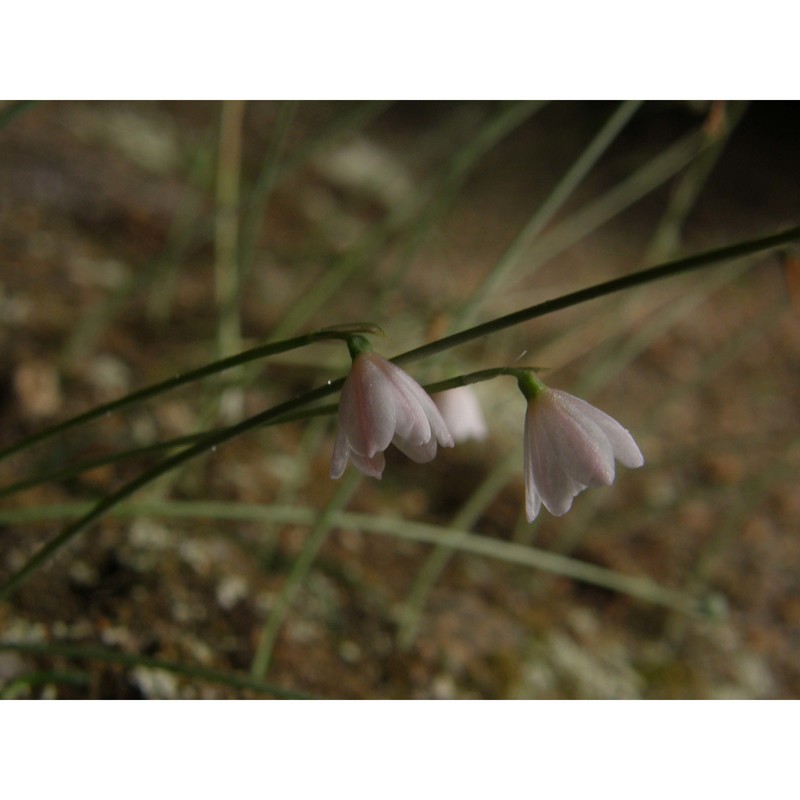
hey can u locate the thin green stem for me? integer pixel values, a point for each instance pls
(113, 499)
(181, 441)
(676, 267)
(679, 266)
(168, 444)
(93, 463)
(262, 351)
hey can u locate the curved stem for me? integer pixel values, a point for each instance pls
(292, 416)
(262, 351)
(681, 265)
(699, 261)
(168, 444)
(205, 444)
(289, 407)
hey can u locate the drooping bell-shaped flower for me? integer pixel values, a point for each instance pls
(569, 445)
(462, 413)
(380, 404)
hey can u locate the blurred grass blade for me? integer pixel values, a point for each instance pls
(521, 555)
(113, 499)
(707, 258)
(347, 124)
(507, 119)
(608, 205)
(20, 687)
(188, 228)
(413, 212)
(261, 351)
(156, 274)
(550, 207)
(226, 228)
(254, 209)
(74, 470)
(300, 569)
(666, 240)
(429, 573)
(13, 109)
(699, 261)
(232, 680)
(157, 447)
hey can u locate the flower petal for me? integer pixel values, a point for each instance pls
(421, 453)
(533, 502)
(367, 408)
(438, 426)
(579, 445)
(412, 421)
(369, 466)
(434, 424)
(554, 484)
(462, 413)
(341, 452)
(625, 449)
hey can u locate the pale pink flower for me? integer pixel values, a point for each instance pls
(570, 445)
(382, 405)
(462, 413)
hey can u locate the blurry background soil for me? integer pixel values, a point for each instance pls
(107, 251)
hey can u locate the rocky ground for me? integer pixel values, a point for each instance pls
(108, 241)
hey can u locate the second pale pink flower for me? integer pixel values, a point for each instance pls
(570, 445)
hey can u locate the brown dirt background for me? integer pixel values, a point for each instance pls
(91, 197)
